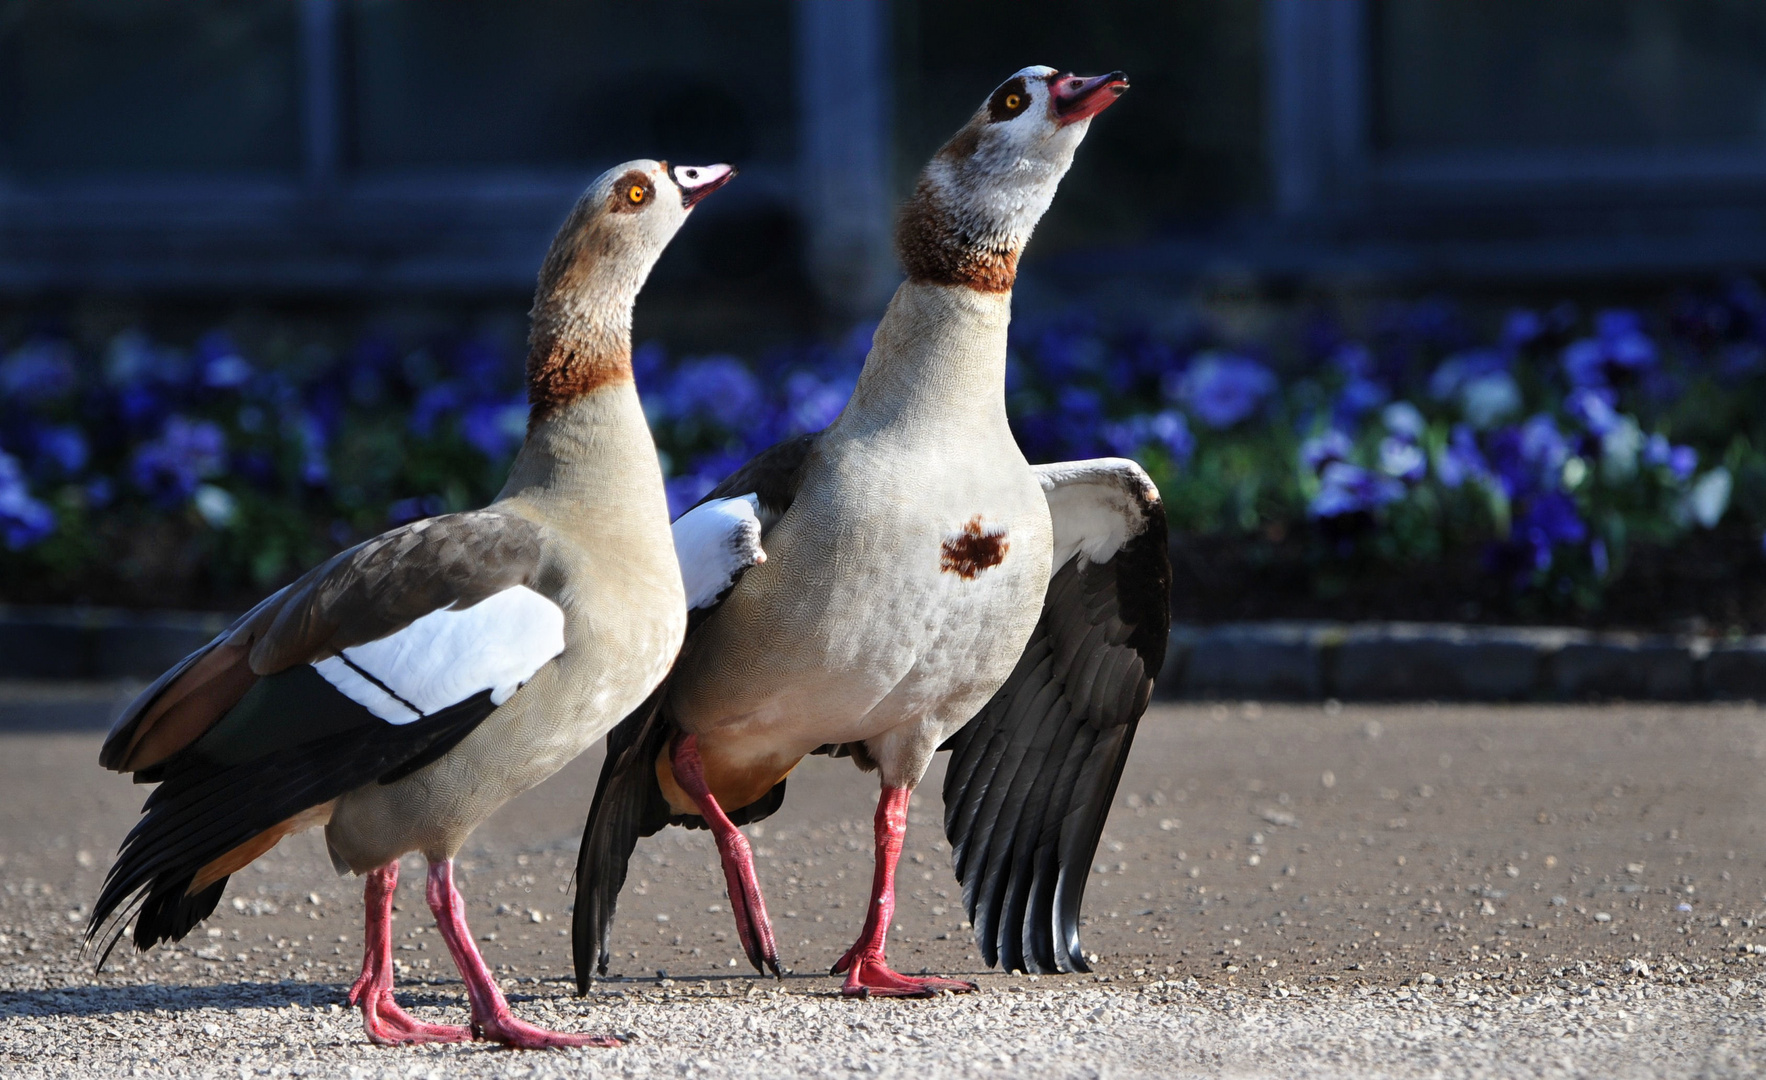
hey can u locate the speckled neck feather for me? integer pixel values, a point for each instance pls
(581, 339)
(939, 245)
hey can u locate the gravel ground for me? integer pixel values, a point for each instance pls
(1283, 891)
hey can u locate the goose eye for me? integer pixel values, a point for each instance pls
(636, 194)
(1013, 102)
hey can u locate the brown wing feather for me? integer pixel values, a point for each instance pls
(357, 596)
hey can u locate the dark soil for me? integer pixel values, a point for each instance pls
(1709, 582)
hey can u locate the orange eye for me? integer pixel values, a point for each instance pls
(636, 194)
(1013, 101)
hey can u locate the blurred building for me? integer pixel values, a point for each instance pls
(368, 147)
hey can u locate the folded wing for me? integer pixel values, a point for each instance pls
(367, 668)
(1031, 777)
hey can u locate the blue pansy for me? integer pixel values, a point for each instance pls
(402, 511)
(1404, 420)
(222, 366)
(64, 447)
(495, 428)
(1351, 489)
(187, 452)
(1321, 450)
(812, 402)
(23, 520)
(1461, 460)
(1681, 461)
(1167, 430)
(38, 371)
(719, 388)
(1593, 408)
(1222, 389)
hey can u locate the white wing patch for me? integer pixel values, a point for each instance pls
(1095, 506)
(449, 655)
(715, 542)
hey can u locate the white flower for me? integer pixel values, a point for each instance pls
(216, 505)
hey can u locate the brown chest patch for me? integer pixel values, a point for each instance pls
(935, 248)
(560, 372)
(973, 549)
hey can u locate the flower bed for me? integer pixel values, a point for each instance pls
(1553, 465)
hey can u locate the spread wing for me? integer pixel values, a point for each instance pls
(1031, 777)
(367, 668)
(716, 541)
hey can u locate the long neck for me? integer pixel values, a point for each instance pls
(574, 350)
(939, 357)
(588, 452)
(591, 464)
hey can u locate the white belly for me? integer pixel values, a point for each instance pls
(872, 613)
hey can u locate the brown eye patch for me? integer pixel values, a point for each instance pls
(1008, 101)
(631, 192)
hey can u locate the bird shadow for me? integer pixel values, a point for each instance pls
(106, 1000)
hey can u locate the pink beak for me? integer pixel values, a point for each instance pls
(698, 181)
(1073, 98)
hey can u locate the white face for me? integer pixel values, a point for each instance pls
(651, 199)
(619, 229)
(1004, 167)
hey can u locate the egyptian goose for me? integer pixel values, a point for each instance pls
(925, 588)
(403, 690)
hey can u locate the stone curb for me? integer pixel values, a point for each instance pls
(1447, 661)
(1268, 661)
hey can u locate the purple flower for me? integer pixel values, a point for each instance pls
(1521, 328)
(1351, 489)
(1593, 408)
(1353, 359)
(433, 404)
(1549, 519)
(1403, 459)
(1464, 367)
(684, 492)
(720, 388)
(417, 506)
(495, 428)
(1530, 457)
(38, 371)
(222, 366)
(1321, 450)
(1222, 389)
(1404, 421)
(812, 402)
(64, 447)
(1167, 429)
(1681, 461)
(1619, 351)
(23, 520)
(1358, 397)
(1461, 460)
(187, 452)
(132, 360)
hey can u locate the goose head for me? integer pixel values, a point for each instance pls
(589, 282)
(983, 193)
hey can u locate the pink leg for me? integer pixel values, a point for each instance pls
(746, 902)
(386, 1023)
(866, 971)
(491, 1018)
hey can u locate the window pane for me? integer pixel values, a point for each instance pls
(539, 83)
(132, 86)
(1536, 74)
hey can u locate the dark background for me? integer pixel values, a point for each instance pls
(325, 154)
